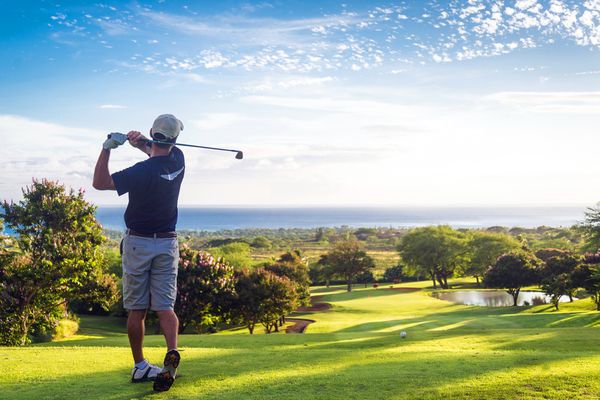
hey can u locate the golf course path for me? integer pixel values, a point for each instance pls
(300, 325)
(315, 305)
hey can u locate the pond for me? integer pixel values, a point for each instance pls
(494, 298)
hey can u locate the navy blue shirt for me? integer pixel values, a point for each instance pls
(153, 187)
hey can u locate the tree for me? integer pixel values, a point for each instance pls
(364, 233)
(592, 285)
(556, 287)
(512, 272)
(319, 235)
(294, 267)
(435, 251)
(281, 299)
(348, 260)
(56, 259)
(591, 228)
(587, 276)
(485, 248)
(315, 273)
(557, 274)
(17, 287)
(365, 278)
(205, 288)
(219, 242)
(246, 307)
(322, 271)
(98, 294)
(236, 254)
(548, 253)
(262, 297)
(261, 242)
(394, 274)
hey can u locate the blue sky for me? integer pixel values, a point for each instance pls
(355, 102)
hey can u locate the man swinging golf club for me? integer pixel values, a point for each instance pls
(149, 249)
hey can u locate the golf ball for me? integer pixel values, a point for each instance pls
(403, 334)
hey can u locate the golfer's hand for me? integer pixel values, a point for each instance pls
(136, 139)
(114, 140)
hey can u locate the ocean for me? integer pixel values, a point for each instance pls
(227, 218)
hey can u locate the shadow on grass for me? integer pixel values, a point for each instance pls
(478, 318)
(330, 366)
(362, 294)
(329, 289)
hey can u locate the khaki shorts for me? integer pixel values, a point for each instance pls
(149, 272)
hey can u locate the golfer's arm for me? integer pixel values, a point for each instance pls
(102, 179)
(143, 146)
(146, 147)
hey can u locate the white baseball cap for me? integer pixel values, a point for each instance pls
(168, 126)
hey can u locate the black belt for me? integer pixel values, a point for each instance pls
(161, 235)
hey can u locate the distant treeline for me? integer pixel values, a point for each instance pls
(540, 237)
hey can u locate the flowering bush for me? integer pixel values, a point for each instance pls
(205, 286)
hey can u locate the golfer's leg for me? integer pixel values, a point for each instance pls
(170, 325)
(163, 288)
(136, 290)
(135, 331)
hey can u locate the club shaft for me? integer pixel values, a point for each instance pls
(193, 145)
(239, 154)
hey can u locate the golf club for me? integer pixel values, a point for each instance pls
(239, 154)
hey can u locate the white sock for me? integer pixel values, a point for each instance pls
(142, 364)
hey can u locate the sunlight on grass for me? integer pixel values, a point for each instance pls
(451, 351)
(451, 326)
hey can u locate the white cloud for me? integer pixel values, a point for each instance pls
(525, 4)
(195, 77)
(551, 102)
(114, 27)
(112, 107)
(244, 30)
(366, 107)
(40, 149)
(346, 40)
(304, 81)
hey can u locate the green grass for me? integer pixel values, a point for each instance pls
(353, 351)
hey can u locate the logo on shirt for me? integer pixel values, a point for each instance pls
(172, 175)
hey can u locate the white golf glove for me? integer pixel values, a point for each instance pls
(114, 140)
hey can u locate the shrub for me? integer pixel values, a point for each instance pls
(65, 328)
(55, 260)
(292, 266)
(205, 287)
(393, 274)
(262, 297)
(60, 326)
(365, 278)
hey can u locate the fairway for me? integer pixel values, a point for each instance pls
(352, 351)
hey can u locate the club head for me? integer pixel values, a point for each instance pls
(239, 155)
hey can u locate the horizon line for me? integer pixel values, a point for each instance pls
(524, 205)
